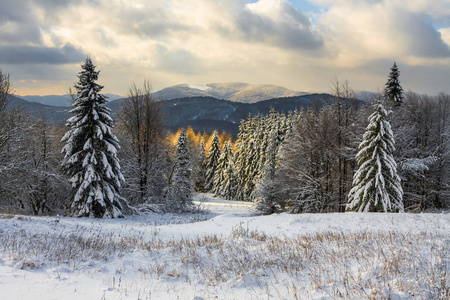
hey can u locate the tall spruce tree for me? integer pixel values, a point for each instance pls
(178, 196)
(213, 158)
(224, 179)
(240, 157)
(91, 152)
(393, 91)
(201, 168)
(247, 159)
(376, 185)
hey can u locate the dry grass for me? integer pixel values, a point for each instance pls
(360, 265)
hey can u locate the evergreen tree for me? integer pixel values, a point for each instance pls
(376, 185)
(258, 142)
(201, 168)
(393, 91)
(262, 136)
(277, 127)
(267, 190)
(252, 170)
(247, 159)
(224, 179)
(178, 194)
(213, 158)
(91, 152)
(240, 157)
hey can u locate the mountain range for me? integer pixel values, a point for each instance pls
(233, 91)
(214, 106)
(60, 100)
(201, 113)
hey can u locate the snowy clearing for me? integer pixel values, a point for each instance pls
(226, 253)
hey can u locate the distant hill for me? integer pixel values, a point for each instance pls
(366, 96)
(233, 91)
(51, 113)
(201, 113)
(60, 100)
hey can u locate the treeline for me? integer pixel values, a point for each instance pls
(307, 163)
(303, 161)
(32, 175)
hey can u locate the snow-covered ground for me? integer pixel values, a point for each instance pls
(226, 253)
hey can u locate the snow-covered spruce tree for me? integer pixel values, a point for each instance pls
(253, 158)
(224, 179)
(178, 196)
(90, 158)
(201, 168)
(213, 158)
(376, 185)
(240, 158)
(393, 91)
(266, 189)
(247, 158)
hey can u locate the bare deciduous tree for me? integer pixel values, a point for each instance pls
(423, 130)
(342, 92)
(6, 90)
(142, 123)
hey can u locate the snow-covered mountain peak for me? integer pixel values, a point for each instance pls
(233, 91)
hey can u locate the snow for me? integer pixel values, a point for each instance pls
(227, 252)
(202, 87)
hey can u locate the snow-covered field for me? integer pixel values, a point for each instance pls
(227, 253)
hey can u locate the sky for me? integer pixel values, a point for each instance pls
(301, 45)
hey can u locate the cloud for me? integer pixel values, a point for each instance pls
(273, 22)
(421, 38)
(445, 34)
(32, 10)
(22, 22)
(180, 61)
(201, 41)
(360, 31)
(15, 33)
(40, 55)
(278, 23)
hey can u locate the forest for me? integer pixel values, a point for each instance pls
(389, 155)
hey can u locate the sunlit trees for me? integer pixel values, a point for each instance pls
(200, 174)
(90, 154)
(178, 195)
(213, 158)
